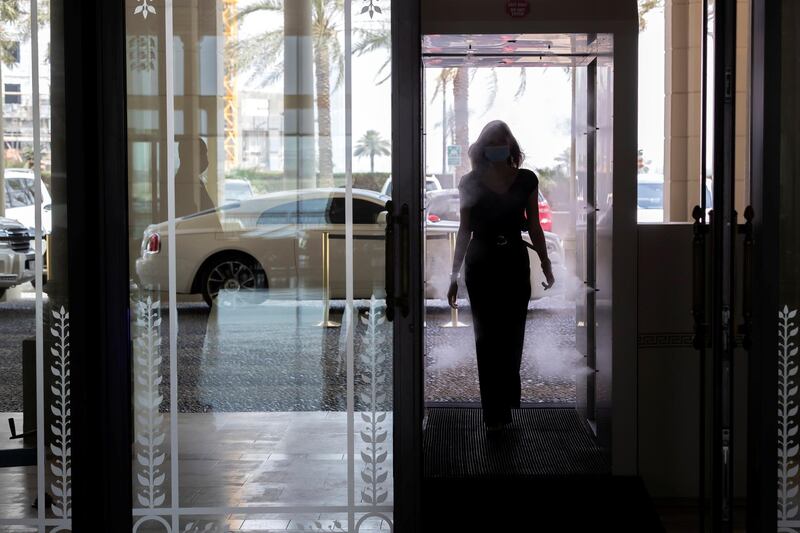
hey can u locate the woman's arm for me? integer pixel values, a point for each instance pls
(462, 240)
(536, 234)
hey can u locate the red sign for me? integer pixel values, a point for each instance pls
(517, 8)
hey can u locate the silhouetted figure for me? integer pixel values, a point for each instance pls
(498, 200)
(187, 178)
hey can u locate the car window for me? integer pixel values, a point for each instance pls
(19, 192)
(364, 211)
(541, 197)
(238, 191)
(321, 211)
(650, 196)
(430, 185)
(446, 207)
(310, 211)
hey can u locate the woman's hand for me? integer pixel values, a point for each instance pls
(452, 294)
(547, 269)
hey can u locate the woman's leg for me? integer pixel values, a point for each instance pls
(486, 327)
(517, 322)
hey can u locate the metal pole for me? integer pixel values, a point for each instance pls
(326, 283)
(701, 346)
(723, 230)
(454, 323)
(444, 126)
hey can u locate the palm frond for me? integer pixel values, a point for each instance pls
(261, 5)
(491, 90)
(262, 55)
(371, 41)
(523, 83)
(445, 76)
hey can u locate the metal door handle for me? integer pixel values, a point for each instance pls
(747, 277)
(389, 261)
(394, 300)
(699, 278)
(402, 220)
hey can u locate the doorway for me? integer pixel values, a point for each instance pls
(554, 91)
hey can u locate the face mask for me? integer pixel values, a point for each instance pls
(497, 153)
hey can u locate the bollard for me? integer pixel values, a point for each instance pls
(326, 280)
(454, 323)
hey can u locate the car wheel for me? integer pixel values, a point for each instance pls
(240, 276)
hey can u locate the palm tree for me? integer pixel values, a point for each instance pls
(370, 145)
(263, 53)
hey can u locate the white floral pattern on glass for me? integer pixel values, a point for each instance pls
(144, 8)
(788, 446)
(374, 434)
(61, 445)
(371, 7)
(150, 435)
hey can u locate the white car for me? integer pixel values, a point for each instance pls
(276, 242)
(431, 184)
(236, 189)
(650, 198)
(16, 255)
(21, 199)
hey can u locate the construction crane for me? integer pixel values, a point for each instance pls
(230, 25)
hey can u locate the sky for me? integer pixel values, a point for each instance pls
(539, 118)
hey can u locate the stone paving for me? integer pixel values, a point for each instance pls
(276, 358)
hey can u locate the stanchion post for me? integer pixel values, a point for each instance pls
(326, 283)
(454, 323)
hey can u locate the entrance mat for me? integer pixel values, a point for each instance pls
(538, 442)
(588, 503)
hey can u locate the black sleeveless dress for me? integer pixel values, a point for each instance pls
(497, 276)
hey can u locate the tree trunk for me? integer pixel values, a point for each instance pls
(461, 110)
(372, 162)
(322, 60)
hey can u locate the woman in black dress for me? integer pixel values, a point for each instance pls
(498, 200)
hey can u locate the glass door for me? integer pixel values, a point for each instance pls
(260, 138)
(35, 360)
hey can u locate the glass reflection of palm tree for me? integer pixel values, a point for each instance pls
(371, 144)
(263, 53)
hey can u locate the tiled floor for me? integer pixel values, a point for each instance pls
(229, 462)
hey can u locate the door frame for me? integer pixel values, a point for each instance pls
(765, 74)
(97, 205)
(619, 19)
(407, 191)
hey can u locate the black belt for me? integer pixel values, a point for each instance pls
(501, 239)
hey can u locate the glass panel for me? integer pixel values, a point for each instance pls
(262, 355)
(36, 443)
(788, 503)
(651, 68)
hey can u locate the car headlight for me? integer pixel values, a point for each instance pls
(4, 239)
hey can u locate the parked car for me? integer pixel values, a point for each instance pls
(431, 184)
(650, 198)
(236, 189)
(444, 205)
(21, 199)
(16, 255)
(275, 242)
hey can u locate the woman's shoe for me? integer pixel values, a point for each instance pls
(495, 428)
